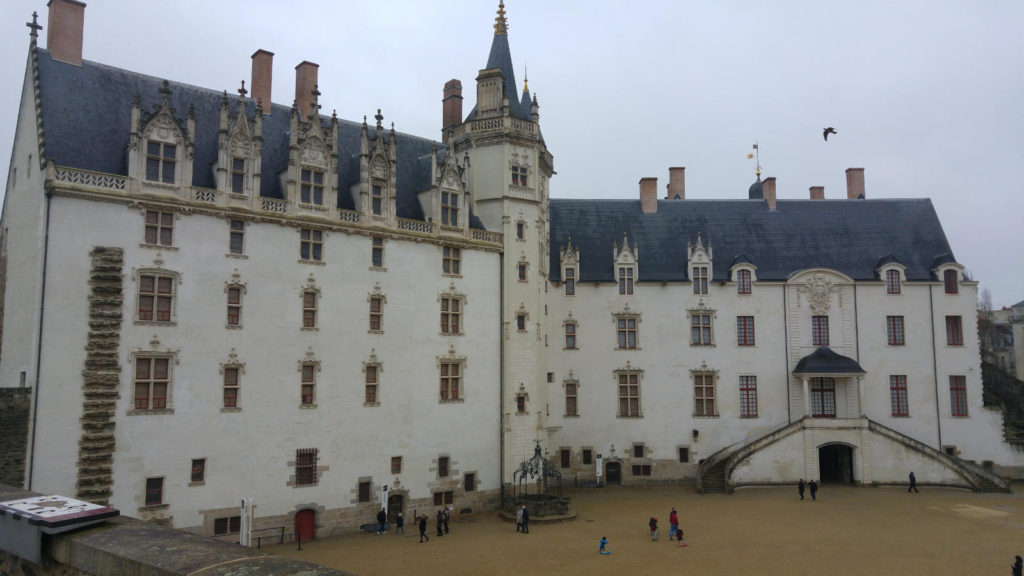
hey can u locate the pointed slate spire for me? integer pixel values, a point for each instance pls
(501, 57)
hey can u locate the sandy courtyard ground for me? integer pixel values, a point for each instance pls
(762, 531)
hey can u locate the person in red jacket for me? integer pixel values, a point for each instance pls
(673, 524)
(654, 528)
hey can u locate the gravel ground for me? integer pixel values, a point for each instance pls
(762, 531)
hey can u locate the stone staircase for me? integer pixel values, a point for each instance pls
(713, 479)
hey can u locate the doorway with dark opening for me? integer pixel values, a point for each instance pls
(835, 464)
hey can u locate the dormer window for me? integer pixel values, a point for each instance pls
(951, 280)
(743, 281)
(449, 209)
(625, 280)
(312, 189)
(570, 281)
(238, 175)
(892, 281)
(376, 200)
(161, 158)
(700, 279)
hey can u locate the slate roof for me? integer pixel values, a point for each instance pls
(87, 121)
(845, 235)
(501, 57)
(824, 360)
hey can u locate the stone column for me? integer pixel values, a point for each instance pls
(807, 396)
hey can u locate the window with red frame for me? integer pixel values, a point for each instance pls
(898, 395)
(371, 385)
(819, 330)
(894, 330)
(892, 281)
(198, 469)
(396, 464)
(745, 330)
(450, 380)
(954, 331)
(152, 380)
(231, 387)
(154, 491)
(748, 396)
(156, 297)
(958, 395)
(743, 281)
(951, 281)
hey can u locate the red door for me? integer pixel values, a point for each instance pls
(305, 521)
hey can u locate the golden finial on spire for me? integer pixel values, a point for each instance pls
(756, 156)
(526, 79)
(500, 23)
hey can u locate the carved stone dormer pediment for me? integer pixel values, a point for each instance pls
(570, 254)
(375, 195)
(624, 254)
(161, 146)
(447, 200)
(311, 179)
(239, 147)
(698, 253)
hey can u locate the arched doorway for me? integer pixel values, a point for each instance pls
(305, 525)
(613, 473)
(396, 504)
(835, 463)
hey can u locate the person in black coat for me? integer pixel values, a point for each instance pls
(526, 520)
(800, 488)
(813, 486)
(382, 518)
(440, 522)
(1017, 567)
(423, 529)
(913, 483)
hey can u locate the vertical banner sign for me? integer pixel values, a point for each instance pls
(600, 465)
(384, 498)
(245, 528)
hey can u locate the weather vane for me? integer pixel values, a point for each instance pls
(756, 157)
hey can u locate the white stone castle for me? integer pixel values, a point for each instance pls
(215, 297)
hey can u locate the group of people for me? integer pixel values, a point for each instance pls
(523, 519)
(812, 486)
(443, 516)
(674, 531)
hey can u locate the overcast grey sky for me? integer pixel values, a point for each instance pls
(927, 96)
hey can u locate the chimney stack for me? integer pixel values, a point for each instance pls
(649, 195)
(64, 30)
(262, 74)
(817, 192)
(855, 183)
(769, 191)
(451, 104)
(305, 83)
(676, 183)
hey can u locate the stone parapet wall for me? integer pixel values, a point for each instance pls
(15, 406)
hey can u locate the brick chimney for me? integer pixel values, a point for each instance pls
(855, 183)
(64, 30)
(817, 192)
(676, 183)
(649, 195)
(451, 104)
(262, 74)
(768, 186)
(305, 83)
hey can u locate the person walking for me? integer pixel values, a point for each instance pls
(382, 518)
(913, 483)
(423, 528)
(440, 522)
(1017, 569)
(800, 488)
(813, 486)
(399, 524)
(445, 517)
(526, 520)
(519, 518)
(673, 524)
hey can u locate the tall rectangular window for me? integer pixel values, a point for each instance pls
(159, 228)
(745, 330)
(571, 391)
(156, 297)
(570, 335)
(363, 491)
(376, 200)
(154, 491)
(700, 330)
(451, 378)
(519, 176)
(376, 313)
(587, 456)
(236, 238)
(451, 315)
(234, 306)
(469, 482)
(704, 394)
(237, 175)
(309, 306)
(377, 253)
(308, 386)
(748, 396)
(305, 466)
(629, 395)
(823, 397)
(371, 385)
(898, 395)
(892, 281)
(638, 450)
(570, 281)
(700, 279)
(520, 230)
(819, 330)
(311, 244)
(152, 382)
(625, 280)
(231, 386)
(442, 466)
(626, 328)
(396, 464)
(958, 395)
(160, 161)
(743, 281)
(894, 330)
(312, 187)
(565, 458)
(451, 260)
(449, 209)
(521, 271)
(950, 281)
(198, 470)
(954, 331)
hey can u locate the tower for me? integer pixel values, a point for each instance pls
(508, 168)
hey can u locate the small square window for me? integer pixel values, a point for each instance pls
(638, 450)
(641, 470)
(588, 456)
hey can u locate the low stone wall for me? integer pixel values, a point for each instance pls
(128, 546)
(15, 404)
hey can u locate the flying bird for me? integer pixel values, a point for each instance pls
(829, 130)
